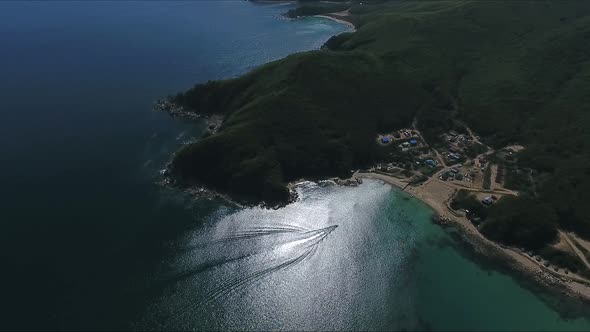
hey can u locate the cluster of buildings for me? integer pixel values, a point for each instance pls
(458, 140)
(385, 167)
(456, 145)
(455, 174)
(417, 156)
(410, 135)
(420, 158)
(426, 164)
(412, 143)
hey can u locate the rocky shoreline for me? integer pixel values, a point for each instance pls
(350, 182)
(214, 121)
(167, 180)
(538, 278)
(174, 110)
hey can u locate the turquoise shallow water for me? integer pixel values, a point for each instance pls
(365, 258)
(89, 241)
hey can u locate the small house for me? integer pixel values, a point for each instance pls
(413, 142)
(487, 201)
(385, 139)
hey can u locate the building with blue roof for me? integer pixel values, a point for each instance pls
(430, 163)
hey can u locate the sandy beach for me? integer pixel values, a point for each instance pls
(339, 20)
(437, 195)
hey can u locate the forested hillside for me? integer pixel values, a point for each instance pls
(515, 71)
(311, 114)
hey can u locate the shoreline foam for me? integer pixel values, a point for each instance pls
(338, 20)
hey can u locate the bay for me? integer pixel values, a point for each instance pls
(90, 241)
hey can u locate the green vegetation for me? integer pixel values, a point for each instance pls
(418, 180)
(282, 126)
(582, 248)
(487, 177)
(563, 260)
(514, 71)
(316, 9)
(475, 149)
(522, 222)
(517, 179)
(429, 171)
(500, 172)
(464, 199)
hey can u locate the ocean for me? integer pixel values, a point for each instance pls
(90, 241)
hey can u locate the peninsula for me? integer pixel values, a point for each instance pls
(479, 108)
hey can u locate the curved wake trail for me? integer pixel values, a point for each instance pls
(286, 255)
(250, 234)
(247, 265)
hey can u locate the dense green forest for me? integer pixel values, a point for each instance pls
(514, 71)
(282, 126)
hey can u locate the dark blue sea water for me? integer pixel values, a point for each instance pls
(89, 240)
(80, 146)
